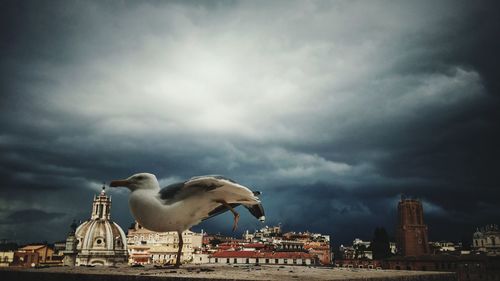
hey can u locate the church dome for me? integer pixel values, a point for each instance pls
(100, 234)
(100, 241)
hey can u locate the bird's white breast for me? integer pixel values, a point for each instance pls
(153, 214)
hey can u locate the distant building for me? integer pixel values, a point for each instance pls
(411, 231)
(100, 241)
(290, 245)
(487, 240)
(70, 252)
(467, 267)
(214, 239)
(34, 255)
(150, 247)
(444, 246)
(256, 257)
(359, 263)
(6, 258)
(247, 236)
(362, 249)
(393, 247)
(321, 250)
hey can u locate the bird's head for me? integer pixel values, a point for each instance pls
(138, 181)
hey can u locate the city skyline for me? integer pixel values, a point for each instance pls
(333, 110)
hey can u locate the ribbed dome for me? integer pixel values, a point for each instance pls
(100, 241)
(100, 234)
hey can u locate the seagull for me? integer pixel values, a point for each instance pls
(179, 206)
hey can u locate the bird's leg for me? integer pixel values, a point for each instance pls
(236, 215)
(179, 252)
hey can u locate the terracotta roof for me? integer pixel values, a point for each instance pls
(269, 255)
(254, 245)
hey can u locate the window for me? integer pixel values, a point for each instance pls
(235, 260)
(276, 261)
(247, 260)
(227, 260)
(216, 260)
(267, 260)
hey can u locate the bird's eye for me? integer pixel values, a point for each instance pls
(140, 178)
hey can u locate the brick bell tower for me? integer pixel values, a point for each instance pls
(411, 230)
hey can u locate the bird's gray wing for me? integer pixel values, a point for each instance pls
(169, 192)
(194, 186)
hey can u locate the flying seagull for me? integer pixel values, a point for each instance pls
(179, 206)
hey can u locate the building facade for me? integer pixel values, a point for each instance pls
(6, 258)
(255, 257)
(35, 255)
(411, 231)
(487, 240)
(150, 247)
(100, 241)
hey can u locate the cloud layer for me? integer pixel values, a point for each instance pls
(332, 109)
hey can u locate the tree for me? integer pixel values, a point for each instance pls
(380, 245)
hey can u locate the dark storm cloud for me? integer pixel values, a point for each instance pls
(332, 109)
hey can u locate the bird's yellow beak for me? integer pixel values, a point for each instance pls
(117, 183)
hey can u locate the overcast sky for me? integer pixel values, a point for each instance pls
(332, 109)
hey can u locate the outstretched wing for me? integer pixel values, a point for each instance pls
(182, 190)
(199, 185)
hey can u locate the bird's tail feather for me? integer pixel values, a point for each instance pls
(257, 211)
